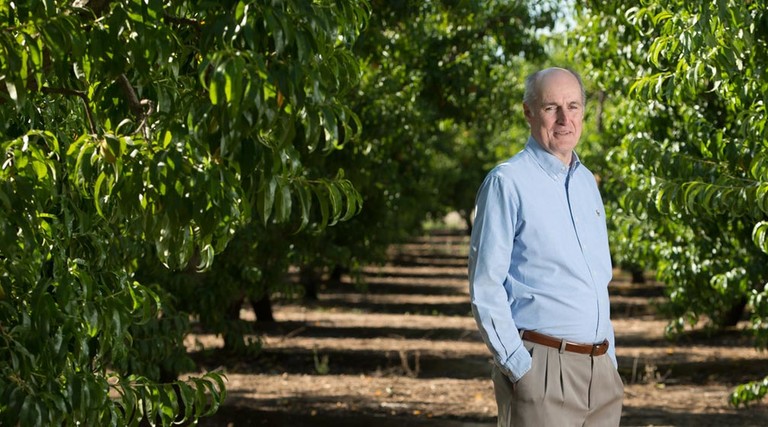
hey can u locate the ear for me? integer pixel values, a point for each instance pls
(527, 111)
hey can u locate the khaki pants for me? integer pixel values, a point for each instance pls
(561, 390)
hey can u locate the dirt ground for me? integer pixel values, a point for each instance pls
(407, 353)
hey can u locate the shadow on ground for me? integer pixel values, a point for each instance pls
(407, 278)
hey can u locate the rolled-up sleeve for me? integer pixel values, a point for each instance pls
(490, 255)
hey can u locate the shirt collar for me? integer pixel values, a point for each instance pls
(551, 164)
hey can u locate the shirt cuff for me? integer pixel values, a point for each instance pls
(517, 365)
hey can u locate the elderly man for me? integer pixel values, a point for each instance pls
(539, 268)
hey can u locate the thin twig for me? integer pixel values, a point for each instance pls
(80, 94)
(294, 332)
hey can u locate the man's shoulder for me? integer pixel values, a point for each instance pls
(517, 165)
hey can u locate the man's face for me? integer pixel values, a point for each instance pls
(556, 114)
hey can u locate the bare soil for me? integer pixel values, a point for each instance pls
(407, 353)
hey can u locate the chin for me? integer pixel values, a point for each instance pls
(569, 142)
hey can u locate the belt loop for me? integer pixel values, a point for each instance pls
(522, 331)
(562, 346)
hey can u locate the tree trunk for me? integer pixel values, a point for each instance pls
(310, 280)
(263, 309)
(733, 315)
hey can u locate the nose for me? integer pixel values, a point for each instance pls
(561, 116)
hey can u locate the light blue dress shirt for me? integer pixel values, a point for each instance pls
(539, 257)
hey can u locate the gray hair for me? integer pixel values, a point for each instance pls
(531, 82)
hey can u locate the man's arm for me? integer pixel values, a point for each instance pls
(489, 260)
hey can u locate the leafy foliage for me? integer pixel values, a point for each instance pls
(149, 128)
(685, 131)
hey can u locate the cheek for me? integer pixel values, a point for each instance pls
(547, 124)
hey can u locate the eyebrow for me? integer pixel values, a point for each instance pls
(555, 104)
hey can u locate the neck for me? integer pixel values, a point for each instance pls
(565, 158)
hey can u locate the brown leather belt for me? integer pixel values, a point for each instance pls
(590, 349)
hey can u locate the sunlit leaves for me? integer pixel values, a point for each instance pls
(336, 200)
(760, 235)
(750, 392)
(710, 65)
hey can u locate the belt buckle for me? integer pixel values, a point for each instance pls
(597, 347)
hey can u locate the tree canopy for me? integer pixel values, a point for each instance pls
(149, 128)
(685, 137)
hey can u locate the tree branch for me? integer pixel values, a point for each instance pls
(182, 21)
(136, 105)
(133, 100)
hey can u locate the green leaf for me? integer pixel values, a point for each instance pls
(5, 200)
(216, 89)
(30, 414)
(187, 395)
(354, 201)
(324, 208)
(235, 71)
(761, 196)
(41, 169)
(276, 29)
(267, 199)
(283, 203)
(305, 202)
(14, 94)
(336, 202)
(97, 186)
(760, 235)
(759, 167)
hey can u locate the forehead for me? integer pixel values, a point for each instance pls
(559, 87)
